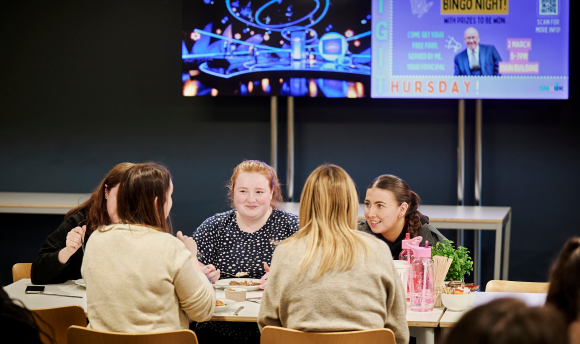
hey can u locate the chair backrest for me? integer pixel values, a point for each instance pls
(20, 271)
(280, 335)
(57, 321)
(81, 335)
(516, 287)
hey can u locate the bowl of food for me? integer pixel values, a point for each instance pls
(456, 302)
(236, 294)
(244, 283)
(223, 304)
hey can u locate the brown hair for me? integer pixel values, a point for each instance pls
(265, 170)
(136, 204)
(402, 193)
(564, 291)
(95, 208)
(509, 321)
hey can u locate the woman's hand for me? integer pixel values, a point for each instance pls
(189, 243)
(210, 272)
(264, 278)
(74, 240)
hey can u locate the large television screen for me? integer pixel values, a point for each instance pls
(420, 48)
(311, 48)
(470, 49)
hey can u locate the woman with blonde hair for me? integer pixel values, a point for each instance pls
(241, 239)
(328, 276)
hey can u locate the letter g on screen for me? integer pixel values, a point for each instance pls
(381, 30)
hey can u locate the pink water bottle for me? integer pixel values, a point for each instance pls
(407, 255)
(406, 252)
(422, 288)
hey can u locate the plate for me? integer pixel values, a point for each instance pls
(225, 283)
(81, 282)
(227, 304)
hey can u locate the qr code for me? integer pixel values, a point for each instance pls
(549, 7)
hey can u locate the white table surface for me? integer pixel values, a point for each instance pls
(36, 301)
(531, 299)
(248, 314)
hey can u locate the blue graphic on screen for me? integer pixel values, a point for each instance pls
(274, 48)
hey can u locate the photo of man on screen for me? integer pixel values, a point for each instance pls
(477, 59)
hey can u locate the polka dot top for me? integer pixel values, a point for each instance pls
(231, 250)
(223, 244)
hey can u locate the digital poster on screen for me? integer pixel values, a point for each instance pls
(381, 48)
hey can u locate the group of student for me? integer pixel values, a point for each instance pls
(326, 272)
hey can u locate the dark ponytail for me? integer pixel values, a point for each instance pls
(564, 291)
(403, 194)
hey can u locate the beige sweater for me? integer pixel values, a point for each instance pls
(368, 296)
(141, 280)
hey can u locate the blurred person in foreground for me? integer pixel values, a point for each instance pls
(329, 276)
(509, 321)
(564, 291)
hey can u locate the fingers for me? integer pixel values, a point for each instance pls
(84, 228)
(214, 276)
(263, 285)
(179, 235)
(266, 267)
(211, 267)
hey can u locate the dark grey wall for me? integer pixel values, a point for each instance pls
(87, 85)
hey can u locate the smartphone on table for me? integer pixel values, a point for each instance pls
(34, 289)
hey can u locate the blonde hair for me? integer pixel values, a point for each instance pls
(328, 216)
(264, 169)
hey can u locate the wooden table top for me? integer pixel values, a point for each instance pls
(40, 203)
(440, 213)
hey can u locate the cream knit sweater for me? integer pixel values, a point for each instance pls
(142, 280)
(368, 296)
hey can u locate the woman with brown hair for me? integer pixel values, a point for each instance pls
(59, 258)
(509, 321)
(328, 276)
(391, 211)
(564, 291)
(241, 239)
(139, 277)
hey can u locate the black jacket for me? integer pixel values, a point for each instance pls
(46, 268)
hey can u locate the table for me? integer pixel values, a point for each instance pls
(35, 301)
(40, 203)
(440, 216)
(462, 217)
(421, 325)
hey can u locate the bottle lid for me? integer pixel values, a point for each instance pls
(421, 252)
(407, 243)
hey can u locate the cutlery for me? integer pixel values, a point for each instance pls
(239, 309)
(80, 297)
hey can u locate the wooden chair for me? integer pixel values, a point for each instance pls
(20, 271)
(59, 319)
(516, 287)
(280, 335)
(80, 335)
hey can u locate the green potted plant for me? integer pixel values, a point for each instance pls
(462, 263)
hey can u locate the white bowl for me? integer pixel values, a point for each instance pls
(227, 304)
(472, 298)
(456, 303)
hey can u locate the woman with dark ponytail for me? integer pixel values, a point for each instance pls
(391, 211)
